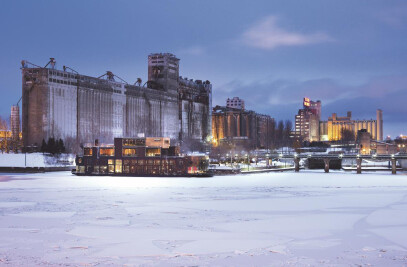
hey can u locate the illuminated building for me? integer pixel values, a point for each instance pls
(309, 127)
(241, 128)
(307, 121)
(331, 130)
(149, 156)
(401, 142)
(367, 146)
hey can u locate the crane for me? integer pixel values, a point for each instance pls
(110, 76)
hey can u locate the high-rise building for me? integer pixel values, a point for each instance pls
(307, 121)
(79, 109)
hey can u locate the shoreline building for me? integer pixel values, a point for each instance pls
(331, 130)
(306, 126)
(80, 109)
(309, 127)
(239, 127)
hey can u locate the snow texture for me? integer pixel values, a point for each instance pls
(309, 218)
(36, 160)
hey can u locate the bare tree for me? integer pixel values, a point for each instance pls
(288, 126)
(4, 127)
(347, 135)
(279, 134)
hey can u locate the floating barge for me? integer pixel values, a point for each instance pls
(150, 156)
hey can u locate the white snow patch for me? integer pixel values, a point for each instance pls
(275, 219)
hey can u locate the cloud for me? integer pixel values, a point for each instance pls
(267, 35)
(193, 51)
(393, 16)
(282, 98)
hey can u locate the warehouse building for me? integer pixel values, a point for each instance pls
(80, 109)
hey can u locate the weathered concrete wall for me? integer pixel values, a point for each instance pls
(88, 108)
(80, 109)
(35, 105)
(195, 123)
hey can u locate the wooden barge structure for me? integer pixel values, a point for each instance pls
(149, 156)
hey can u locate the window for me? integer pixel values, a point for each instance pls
(106, 151)
(103, 169)
(87, 151)
(80, 169)
(126, 169)
(96, 169)
(152, 152)
(129, 152)
(119, 166)
(128, 142)
(111, 168)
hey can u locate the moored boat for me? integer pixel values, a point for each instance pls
(149, 156)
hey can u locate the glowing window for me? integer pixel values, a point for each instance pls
(119, 166)
(87, 151)
(129, 152)
(152, 152)
(111, 168)
(106, 151)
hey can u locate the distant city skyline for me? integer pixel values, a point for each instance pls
(350, 55)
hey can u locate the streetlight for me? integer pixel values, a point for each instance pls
(267, 160)
(247, 157)
(25, 154)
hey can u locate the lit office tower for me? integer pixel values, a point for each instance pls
(307, 120)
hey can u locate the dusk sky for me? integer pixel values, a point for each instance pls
(351, 55)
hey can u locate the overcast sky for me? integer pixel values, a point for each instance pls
(351, 55)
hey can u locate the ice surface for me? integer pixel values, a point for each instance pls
(271, 219)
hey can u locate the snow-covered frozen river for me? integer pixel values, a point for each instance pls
(274, 219)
